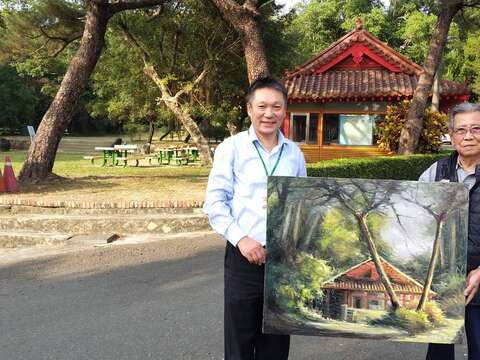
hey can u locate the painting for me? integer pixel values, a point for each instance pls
(374, 259)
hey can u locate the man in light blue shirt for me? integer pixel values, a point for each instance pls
(236, 205)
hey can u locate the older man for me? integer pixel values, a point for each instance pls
(236, 205)
(463, 166)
